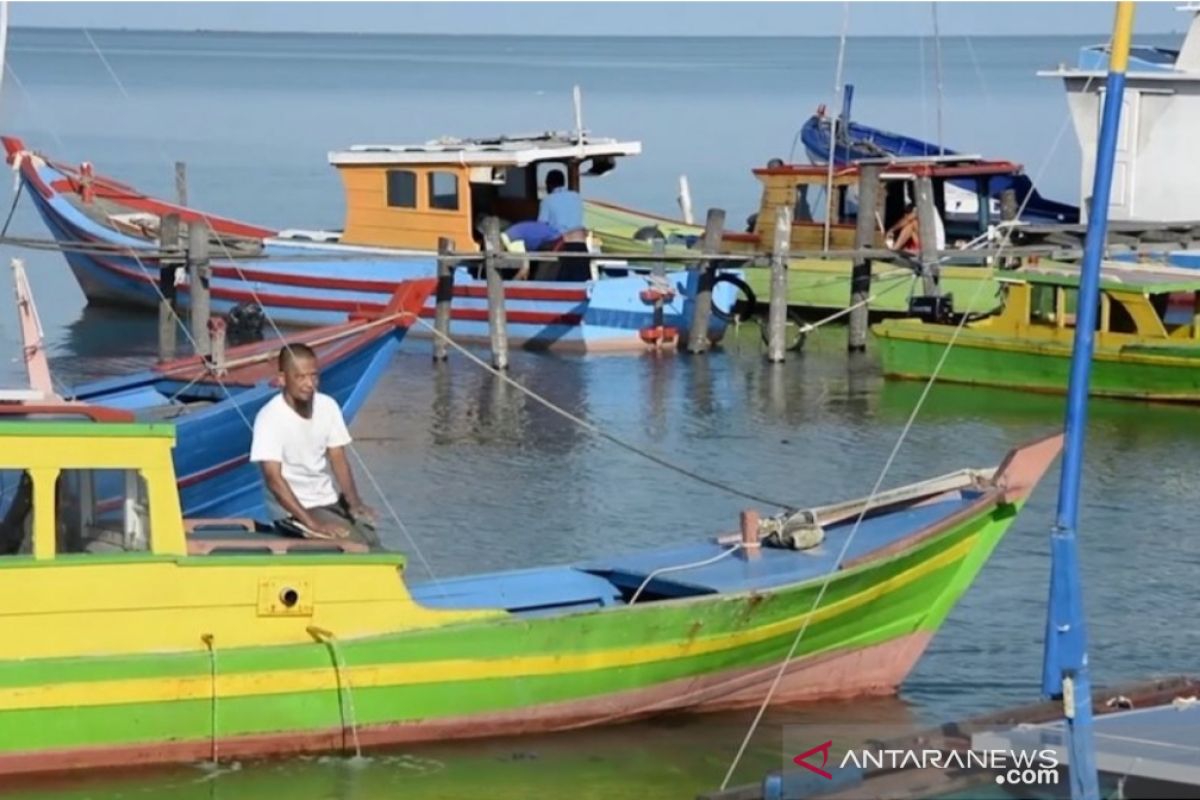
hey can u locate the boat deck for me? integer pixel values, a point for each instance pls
(1160, 743)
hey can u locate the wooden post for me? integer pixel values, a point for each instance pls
(777, 315)
(659, 273)
(497, 319)
(181, 183)
(199, 275)
(216, 333)
(445, 294)
(864, 237)
(1008, 213)
(702, 306)
(927, 229)
(168, 267)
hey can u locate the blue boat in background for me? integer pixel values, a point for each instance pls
(213, 405)
(856, 142)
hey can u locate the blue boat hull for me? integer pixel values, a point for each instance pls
(211, 455)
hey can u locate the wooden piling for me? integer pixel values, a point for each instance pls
(445, 295)
(659, 274)
(927, 229)
(497, 319)
(168, 315)
(181, 194)
(216, 334)
(777, 313)
(714, 225)
(199, 276)
(1008, 214)
(864, 238)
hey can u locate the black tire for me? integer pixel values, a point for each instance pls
(793, 331)
(745, 306)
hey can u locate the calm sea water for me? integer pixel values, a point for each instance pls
(484, 479)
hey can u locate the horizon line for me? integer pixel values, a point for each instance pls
(125, 29)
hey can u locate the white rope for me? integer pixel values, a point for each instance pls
(682, 567)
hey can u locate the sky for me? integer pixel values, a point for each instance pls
(605, 18)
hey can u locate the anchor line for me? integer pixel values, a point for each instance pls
(833, 569)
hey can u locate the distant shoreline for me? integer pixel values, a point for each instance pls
(1097, 36)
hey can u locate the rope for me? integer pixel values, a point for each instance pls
(597, 431)
(783, 666)
(682, 567)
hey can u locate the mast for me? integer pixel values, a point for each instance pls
(1065, 671)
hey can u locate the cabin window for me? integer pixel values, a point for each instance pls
(1042, 303)
(102, 511)
(443, 191)
(16, 513)
(401, 188)
(516, 184)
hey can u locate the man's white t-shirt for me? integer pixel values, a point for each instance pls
(300, 445)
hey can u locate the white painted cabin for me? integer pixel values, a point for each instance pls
(1156, 177)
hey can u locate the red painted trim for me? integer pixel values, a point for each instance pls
(519, 317)
(215, 469)
(307, 281)
(95, 413)
(526, 293)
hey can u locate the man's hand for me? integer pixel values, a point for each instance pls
(325, 530)
(361, 512)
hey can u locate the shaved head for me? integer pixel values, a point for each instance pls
(290, 354)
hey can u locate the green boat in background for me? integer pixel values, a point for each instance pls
(1147, 340)
(822, 283)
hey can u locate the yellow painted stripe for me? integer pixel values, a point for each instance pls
(149, 690)
(1122, 37)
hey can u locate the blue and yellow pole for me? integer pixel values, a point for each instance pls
(1065, 665)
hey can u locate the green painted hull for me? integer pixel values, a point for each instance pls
(135, 704)
(1148, 373)
(818, 284)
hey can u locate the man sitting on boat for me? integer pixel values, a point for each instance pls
(298, 435)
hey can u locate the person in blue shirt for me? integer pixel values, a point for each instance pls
(561, 208)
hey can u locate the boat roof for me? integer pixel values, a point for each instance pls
(1149, 278)
(87, 430)
(1145, 61)
(515, 151)
(900, 167)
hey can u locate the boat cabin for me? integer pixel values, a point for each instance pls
(409, 196)
(1139, 305)
(99, 559)
(804, 187)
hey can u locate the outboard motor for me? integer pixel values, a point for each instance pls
(244, 323)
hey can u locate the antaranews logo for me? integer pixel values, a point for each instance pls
(1011, 767)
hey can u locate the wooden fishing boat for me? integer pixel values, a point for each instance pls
(1147, 341)
(212, 404)
(134, 637)
(400, 201)
(820, 279)
(858, 142)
